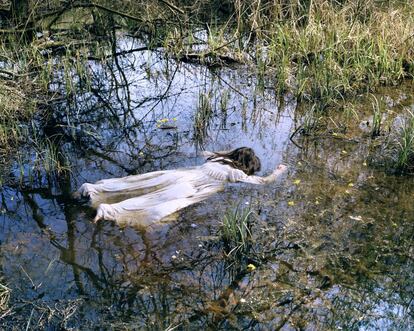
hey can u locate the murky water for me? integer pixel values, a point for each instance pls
(332, 240)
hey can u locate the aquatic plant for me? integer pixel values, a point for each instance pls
(202, 116)
(376, 118)
(405, 145)
(235, 229)
(311, 120)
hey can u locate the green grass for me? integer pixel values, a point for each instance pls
(203, 115)
(336, 55)
(15, 108)
(235, 229)
(405, 146)
(376, 118)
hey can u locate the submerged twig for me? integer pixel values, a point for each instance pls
(293, 135)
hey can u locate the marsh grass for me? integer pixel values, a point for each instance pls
(405, 146)
(394, 152)
(15, 108)
(322, 51)
(4, 299)
(376, 117)
(203, 116)
(26, 76)
(49, 157)
(311, 121)
(235, 229)
(337, 55)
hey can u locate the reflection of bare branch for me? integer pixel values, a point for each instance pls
(67, 254)
(229, 85)
(123, 76)
(105, 156)
(161, 98)
(116, 54)
(286, 318)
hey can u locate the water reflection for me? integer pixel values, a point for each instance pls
(328, 254)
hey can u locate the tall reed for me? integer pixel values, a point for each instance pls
(405, 146)
(235, 229)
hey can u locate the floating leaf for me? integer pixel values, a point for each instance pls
(251, 267)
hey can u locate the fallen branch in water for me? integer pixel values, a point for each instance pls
(199, 57)
(138, 49)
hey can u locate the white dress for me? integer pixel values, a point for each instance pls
(146, 199)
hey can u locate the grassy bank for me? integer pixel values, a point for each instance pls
(340, 52)
(322, 51)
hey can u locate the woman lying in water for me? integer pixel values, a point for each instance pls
(146, 199)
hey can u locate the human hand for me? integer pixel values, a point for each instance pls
(280, 168)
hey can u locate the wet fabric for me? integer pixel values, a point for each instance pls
(149, 198)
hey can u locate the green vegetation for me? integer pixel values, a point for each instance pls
(235, 229)
(376, 118)
(405, 146)
(202, 117)
(338, 53)
(322, 52)
(14, 109)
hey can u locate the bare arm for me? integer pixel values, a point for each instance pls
(264, 180)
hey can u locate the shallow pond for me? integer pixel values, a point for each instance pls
(331, 240)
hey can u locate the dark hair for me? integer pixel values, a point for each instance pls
(242, 158)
